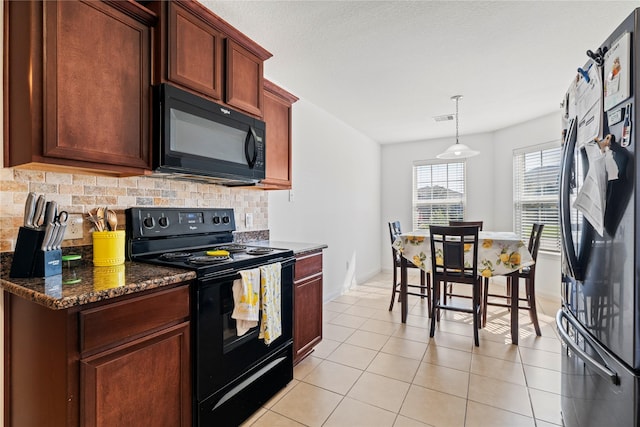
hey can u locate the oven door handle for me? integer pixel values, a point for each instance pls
(286, 262)
(600, 368)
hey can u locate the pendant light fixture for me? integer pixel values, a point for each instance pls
(457, 150)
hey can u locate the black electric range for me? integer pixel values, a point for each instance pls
(233, 375)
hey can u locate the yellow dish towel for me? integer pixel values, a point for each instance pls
(270, 324)
(246, 298)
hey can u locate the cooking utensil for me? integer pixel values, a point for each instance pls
(29, 209)
(93, 218)
(112, 220)
(39, 211)
(100, 218)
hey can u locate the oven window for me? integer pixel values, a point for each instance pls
(230, 338)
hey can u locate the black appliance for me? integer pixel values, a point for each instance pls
(599, 322)
(197, 139)
(232, 376)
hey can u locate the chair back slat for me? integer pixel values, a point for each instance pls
(466, 224)
(534, 240)
(394, 230)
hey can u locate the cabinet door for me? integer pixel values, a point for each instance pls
(308, 316)
(96, 85)
(277, 116)
(145, 383)
(244, 79)
(195, 52)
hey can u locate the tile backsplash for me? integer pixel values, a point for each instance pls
(78, 193)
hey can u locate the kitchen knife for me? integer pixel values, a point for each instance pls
(48, 235)
(39, 211)
(60, 235)
(29, 208)
(50, 212)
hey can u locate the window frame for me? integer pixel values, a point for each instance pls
(550, 240)
(415, 203)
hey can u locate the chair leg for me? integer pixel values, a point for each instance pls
(476, 313)
(533, 312)
(435, 312)
(485, 300)
(428, 277)
(394, 287)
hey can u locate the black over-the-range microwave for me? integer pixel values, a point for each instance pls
(197, 139)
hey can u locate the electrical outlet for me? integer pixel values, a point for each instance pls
(291, 195)
(248, 220)
(74, 227)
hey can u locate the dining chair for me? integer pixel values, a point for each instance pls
(448, 265)
(449, 287)
(425, 280)
(529, 276)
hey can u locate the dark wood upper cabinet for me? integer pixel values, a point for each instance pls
(77, 86)
(277, 116)
(202, 53)
(244, 79)
(194, 52)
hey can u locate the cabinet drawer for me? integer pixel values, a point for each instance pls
(116, 323)
(308, 265)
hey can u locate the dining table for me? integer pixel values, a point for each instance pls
(500, 253)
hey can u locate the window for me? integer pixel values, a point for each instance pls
(536, 172)
(438, 193)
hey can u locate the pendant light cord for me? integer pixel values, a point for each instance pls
(457, 98)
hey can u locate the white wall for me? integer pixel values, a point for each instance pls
(489, 185)
(336, 187)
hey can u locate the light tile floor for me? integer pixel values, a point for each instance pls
(372, 370)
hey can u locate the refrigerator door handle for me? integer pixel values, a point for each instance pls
(600, 368)
(565, 208)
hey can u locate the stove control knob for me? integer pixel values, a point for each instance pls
(149, 222)
(163, 221)
(216, 220)
(225, 219)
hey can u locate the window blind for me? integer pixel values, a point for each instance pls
(438, 193)
(536, 193)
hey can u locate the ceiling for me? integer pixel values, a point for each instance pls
(387, 68)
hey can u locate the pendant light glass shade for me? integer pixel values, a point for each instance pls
(457, 150)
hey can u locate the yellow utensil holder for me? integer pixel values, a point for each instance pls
(108, 248)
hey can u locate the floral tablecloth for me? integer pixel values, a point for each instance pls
(499, 252)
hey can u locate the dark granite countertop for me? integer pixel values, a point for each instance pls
(296, 247)
(86, 284)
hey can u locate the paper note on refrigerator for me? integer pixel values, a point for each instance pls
(591, 199)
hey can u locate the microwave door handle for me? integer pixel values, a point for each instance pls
(250, 149)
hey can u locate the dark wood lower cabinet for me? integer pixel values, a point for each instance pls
(61, 371)
(153, 367)
(307, 329)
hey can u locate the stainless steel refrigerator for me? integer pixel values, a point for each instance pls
(599, 322)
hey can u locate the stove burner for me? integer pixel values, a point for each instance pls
(175, 256)
(233, 247)
(259, 251)
(204, 260)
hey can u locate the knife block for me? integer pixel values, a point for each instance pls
(48, 263)
(28, 243)
(31, 261)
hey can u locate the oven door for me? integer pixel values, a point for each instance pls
(221, 356)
